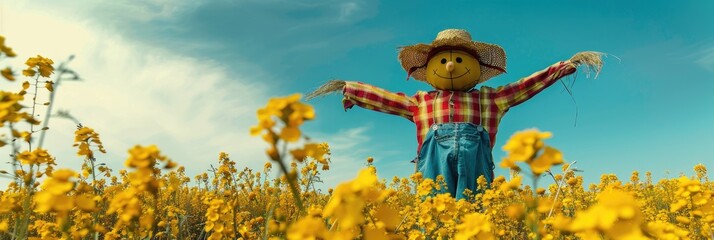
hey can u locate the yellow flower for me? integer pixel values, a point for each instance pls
(514, 183)
(701, 171)
(300, 112)
(664, 230)
(143, 180)
(8, 202)
(425, 187)
(525, 146)
(59, 182)
(688, 186)
(170, 164)
(50, 86)
(272, 152)
(43, 201)
(387, 216)
(307, 227)
(29, 72)
(53, 196)
(290, 134)
(7, 74)
(510, 164)
(683, 220)
(265, 121)
(316, 151)
(4, 225)
(27, 157)
(689, 190)
(86, 203)
(126, 204)
(267, 166)
(548, 158)
(219, 218)
(544, 205)
(474, 225)
(616, 215)
(516, 211)
(290, 111)
(5, 49)
(143, 157)
(10, 108)
(8, 51)
(44, 65)
(349, 199)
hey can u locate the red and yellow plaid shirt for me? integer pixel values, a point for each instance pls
(485, 106)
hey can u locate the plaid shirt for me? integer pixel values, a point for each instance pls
(485, 107)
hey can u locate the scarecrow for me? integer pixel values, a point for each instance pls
(456, 125)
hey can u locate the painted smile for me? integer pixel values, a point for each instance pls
(452, 78)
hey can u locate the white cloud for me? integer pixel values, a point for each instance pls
(350, 149)
(112, 11)
(348, 9)
(192, 108)
(132, 93)
(706, 59)
(348, 139)
(348, 154)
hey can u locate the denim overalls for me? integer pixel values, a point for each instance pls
(460, 152)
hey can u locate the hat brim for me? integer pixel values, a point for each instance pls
(492, 57)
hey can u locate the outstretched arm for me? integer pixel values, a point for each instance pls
(518, 92)
(369, 97)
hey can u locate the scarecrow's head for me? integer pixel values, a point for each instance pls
(452, 61)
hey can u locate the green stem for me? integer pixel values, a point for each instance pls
(61, 70)
(293, 186)
(32, 115)
(26, 204)
(235, 226)
(309, 182)
(534, 224)
(95, 215)
(269, 215)
(559, 183)
(15, 162)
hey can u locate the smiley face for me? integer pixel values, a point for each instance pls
(453, 70)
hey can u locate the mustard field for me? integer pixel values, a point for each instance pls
(151, 197)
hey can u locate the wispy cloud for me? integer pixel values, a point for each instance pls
(287, 35)
(348, 147)
(348, 10)
(347, 139)
(706, 59)
(135, 93)
(116, 12)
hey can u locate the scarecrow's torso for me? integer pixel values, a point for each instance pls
(454, 106)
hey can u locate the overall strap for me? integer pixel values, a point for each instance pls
(451, 105)
(449, 109)
(434, 105)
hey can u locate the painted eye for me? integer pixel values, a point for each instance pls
(443, 60)
(458, 60)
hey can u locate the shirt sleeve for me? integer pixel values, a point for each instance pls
(377, 99)
(518, 92)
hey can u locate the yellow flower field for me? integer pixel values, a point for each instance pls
(152, 198)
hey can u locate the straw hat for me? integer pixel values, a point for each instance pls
(491, 57)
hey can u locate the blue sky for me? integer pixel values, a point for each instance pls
(189, 75)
